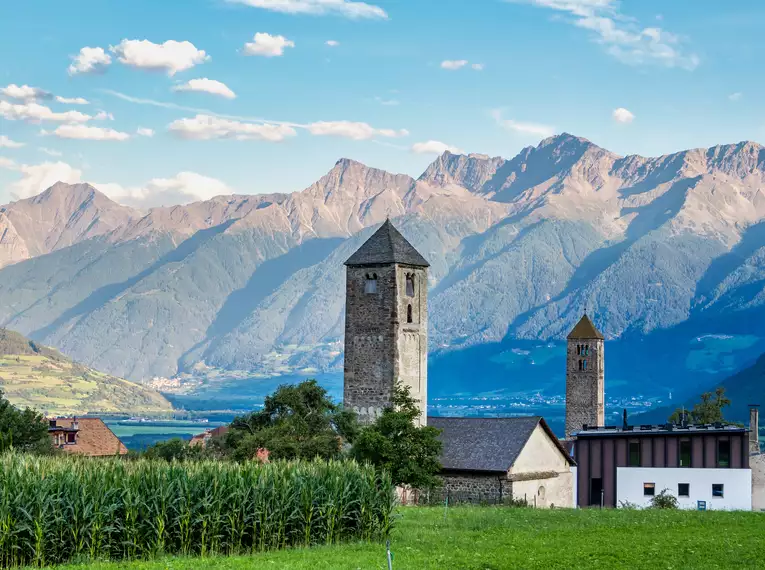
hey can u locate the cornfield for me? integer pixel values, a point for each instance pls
(55, 510)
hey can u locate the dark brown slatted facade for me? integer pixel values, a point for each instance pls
(598, 455)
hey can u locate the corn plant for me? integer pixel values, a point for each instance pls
(55, 510)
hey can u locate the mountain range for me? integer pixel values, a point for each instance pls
(666, 253)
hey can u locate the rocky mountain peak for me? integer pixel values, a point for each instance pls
(469, 171)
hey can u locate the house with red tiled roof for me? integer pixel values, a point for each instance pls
(85, 436)
(204, 437)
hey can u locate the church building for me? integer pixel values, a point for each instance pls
(386, 342)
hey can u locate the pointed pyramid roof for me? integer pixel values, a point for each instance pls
(584, 329)
(387, 245)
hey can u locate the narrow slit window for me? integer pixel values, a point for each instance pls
(685, 453)
(634, 454)
(410, 285)
(370, 285)
(723, 453)
(409, 318)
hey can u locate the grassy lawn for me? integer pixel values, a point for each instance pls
(497, 538)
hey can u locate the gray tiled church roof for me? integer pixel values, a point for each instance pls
(486, 444)
(387, 245)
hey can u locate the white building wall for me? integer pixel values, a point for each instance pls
(737, 482)
(757, 463)
(574, 482)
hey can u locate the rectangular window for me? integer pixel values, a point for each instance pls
(649, 489)
(371, 285)
(718, 490)
(685, 453)
(684, 490)
(723, 453)
(70, 438)
(634, 454)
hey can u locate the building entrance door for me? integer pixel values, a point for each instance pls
(596, 491)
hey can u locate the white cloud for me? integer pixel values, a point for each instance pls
(90, 60)
(478, 66)
(207, 127)
(145, 132)
(34, 112)
(83, 132)
(352, 130)
(183, 188)
(24, 92)
(621, 36)
(205, 85)
(36, 178)
(434, 147)
(103, 116)
(7, 163)
(387, 102)
(5, 142)
(267, 45)
(170, 57)
(332, 43)
(523, 128)
(346, 8)
(735, 96)
(622, 115)
(50, 151)
(453, 64)
(74, 101)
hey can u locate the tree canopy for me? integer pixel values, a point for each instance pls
(409, 452)
(708, 411)
(24, 430)
(296, 422)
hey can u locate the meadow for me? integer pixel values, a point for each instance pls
(498, 538)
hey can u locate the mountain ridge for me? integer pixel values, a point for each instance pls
(253, 284)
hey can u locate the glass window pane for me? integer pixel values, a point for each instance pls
(717, 490)
(685, 453)
(634, 454)
(649, 489)
(684, 489)
(723, 453)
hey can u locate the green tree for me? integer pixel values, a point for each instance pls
(24, 430)
(174, 449)
(409, 452)
(296, 422)
(708, 411)
(664, 500)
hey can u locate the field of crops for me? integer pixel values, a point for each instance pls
(501, 538)
(55, 510)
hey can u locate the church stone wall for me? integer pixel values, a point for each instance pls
(585, 389)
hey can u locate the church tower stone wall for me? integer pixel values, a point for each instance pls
(585, 377)
(386, 324)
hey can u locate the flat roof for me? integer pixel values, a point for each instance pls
(660, 429)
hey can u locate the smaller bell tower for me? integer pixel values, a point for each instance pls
(585, 377)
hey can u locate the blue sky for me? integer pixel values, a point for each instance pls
(280, 107)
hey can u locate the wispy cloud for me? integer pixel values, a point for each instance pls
(387, 102)
(50, 151)
(72, 101)
(453, 64)
(345, 8)
(522, 127)
(621, 35)
(5, 142)
(35, 113)
(84, 132)
(735, 96)
(204, 125)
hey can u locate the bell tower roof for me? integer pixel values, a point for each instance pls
(387, 246)
(585, 330)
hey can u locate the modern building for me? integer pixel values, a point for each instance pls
(703, 466)
(84, 436)
(386, 334)
(496, 459)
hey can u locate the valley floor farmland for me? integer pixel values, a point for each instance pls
(487, 538)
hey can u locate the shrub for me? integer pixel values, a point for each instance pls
(664, 500)
(58, 509)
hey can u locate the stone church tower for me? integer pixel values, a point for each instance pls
(585, 377)
(386, 323)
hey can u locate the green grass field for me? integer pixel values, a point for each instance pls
(489, 538)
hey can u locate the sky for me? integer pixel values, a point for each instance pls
(157, 103)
